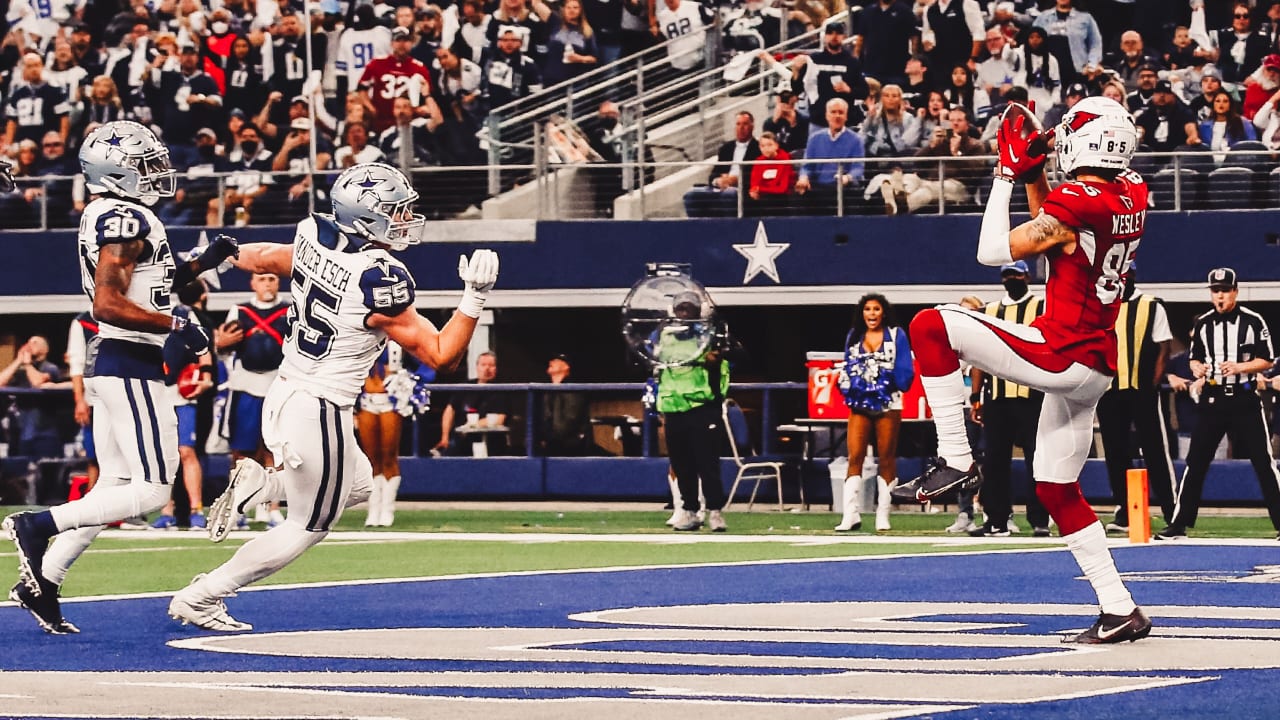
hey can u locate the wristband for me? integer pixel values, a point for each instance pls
(206, 369)
(974, 398)
(472, 303)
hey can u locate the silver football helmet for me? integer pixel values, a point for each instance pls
(127, 159)
(374, 201)
(6, 178)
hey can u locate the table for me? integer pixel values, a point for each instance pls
(807, 428)
(629, 432)
(480, 435)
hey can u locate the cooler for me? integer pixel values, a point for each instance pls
(825, 398)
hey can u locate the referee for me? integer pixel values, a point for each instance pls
(1009, 414)
(1143, 336)
(1230, 345)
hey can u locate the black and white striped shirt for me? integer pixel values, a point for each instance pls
(1237, 336)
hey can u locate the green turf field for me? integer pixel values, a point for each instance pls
(158, 561)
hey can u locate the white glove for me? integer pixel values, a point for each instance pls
(478, 276)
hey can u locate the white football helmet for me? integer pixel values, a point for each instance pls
(1096, 132)
(127, 159)
(374, 201)
(6, 179)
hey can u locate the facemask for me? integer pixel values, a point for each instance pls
(249, 148)
(1016, 287)
(219, 28)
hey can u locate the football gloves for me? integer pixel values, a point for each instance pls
(1024, 145)
(478, 276)
(190, 333)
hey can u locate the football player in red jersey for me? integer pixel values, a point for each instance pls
(391, 76)
(1088, 228)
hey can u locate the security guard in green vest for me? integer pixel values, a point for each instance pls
(1009, 414)
(691, 398)
(1142, 338)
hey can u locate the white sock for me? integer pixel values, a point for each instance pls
(109, 504)
(256, 559)
(65, 549)
(946, 399)
(1089, 546)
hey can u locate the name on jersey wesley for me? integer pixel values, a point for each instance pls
(1128, 224)
(322, 268)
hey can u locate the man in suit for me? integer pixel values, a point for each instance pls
(719, 197)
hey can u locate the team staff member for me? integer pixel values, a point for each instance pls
(690, 398)
(1143, 337)
(1009, 414)
(1230, 345)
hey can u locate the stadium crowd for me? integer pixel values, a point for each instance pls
(239, 89)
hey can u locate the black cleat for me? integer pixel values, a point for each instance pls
(938, 480)
(31, 548)
(1114, 629)
(44, 607)
(1041, 532)
(989, 530)
(1173, 532)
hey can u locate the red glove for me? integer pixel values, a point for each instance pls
(1024, 145)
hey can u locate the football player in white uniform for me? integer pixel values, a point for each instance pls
(349, 296)
(128, 273)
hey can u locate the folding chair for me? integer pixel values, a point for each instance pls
(735, 424)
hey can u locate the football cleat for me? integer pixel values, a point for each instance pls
(44, 607)
(208, 613)
(246, 482)
(989, 530)
(1173, 532)
(31, 548)
(939, 479)
(1114, 629)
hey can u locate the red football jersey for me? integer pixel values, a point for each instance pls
(1085, 288)
(387, 78)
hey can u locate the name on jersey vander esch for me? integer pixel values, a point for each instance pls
(1130, 224)
(321, 267)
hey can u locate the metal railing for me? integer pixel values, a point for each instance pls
(1178, 181)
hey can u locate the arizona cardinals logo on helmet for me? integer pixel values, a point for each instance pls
(1079, 120)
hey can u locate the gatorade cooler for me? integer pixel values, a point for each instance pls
(825, 398)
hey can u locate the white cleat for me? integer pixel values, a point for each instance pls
(210, 613)
(246, 482)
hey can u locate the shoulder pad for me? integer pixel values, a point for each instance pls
(387, 288)
(121, 223)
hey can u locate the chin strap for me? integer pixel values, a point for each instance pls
(993, 239)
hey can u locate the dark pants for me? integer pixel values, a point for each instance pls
(1240, 416)
(1117, 411)
(693, 446)
(1006, 423)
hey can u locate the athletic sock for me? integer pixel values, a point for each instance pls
(1089, 546)
(946, 399)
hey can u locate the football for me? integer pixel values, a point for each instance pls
(1029, 125)
(189, 381)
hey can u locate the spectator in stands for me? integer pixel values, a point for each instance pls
(1074, 93)
(1210, 83)
(1267, 122)
(1114, 90)
(408, 124)
(932, 116)
(1148, 76)
(923, 190)
(1040, 72)
(246, 87)
(1009, 19)
(429, 28)
(682, 24)
(1269, 26)
(529, 18)
(35, 107)
(358, 44)
(1239, 51)
(396, 74)
(187, 99)
(882, 39)
(789, 128)
(273, 134)
(917, 86)
(1073, 38)
(1016, 94)
(1166, 123)
(754, 26)
(197, 186)
(995, 73)
(772, 180)
(89, 55)
(1264, 83)
(1185, 51)
(719, 197)
(825, 185)
(249, 162)
(890, 130)
(472, 38)
(637, 32)
(61, 209)
(294, 157)
(292, 66)
(961, 92)
(571, 48)
(509, 73)
(65, 73)
(458, 85)
(475, 409)
(605, 19)
(953, 33)
(832, 73)
(565, 423)
(221, 36)
(355, 148)
(38, 435)
(1225, 127)
(102, 105)
(1130, 58)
